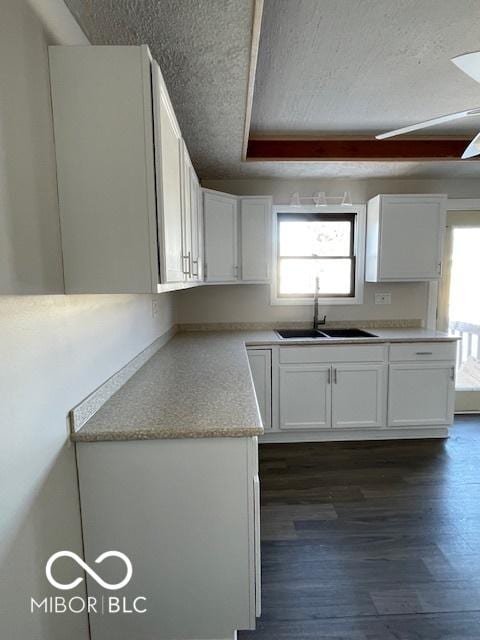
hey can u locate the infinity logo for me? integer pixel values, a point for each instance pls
(85, 567)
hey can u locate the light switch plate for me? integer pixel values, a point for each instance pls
(383, 298)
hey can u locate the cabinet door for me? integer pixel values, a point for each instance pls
(421, 394)
(256, 242)
(197, 226)
(168, 160)
(187, 213)
(221, 238)
(411, 237)
(305, 397)
(102, 111)
(261, 367)
(359, 395)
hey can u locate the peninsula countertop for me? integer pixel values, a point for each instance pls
(199, 386)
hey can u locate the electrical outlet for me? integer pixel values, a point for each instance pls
(383, 298)
(155, 306)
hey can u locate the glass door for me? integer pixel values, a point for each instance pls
(459, 302)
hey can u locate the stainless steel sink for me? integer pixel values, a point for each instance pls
(348, 333)
(300, 333)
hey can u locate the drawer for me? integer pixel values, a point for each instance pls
(333, 353)
(423, 351)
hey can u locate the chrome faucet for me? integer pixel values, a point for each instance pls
(316, 321)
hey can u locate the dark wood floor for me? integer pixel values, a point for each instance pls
(367, 541)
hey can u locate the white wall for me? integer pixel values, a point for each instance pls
(54, 350)
(251, 303)
(242, 303)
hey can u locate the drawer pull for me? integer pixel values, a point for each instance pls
(424, 353)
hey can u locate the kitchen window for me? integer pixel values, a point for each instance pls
(317, 244)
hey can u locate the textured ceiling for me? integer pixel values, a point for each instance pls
(347, 66)
(324, 65)
(203, 49)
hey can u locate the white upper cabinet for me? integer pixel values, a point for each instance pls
(221, 237)
(197, 226)
(237, 237)
(169, 164)
(255, 217)
(405, 237)
(128, 220)
(102, 107)
(191, 221)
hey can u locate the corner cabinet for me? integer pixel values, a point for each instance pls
(237, 238)
(405, 238)
(125, 209)
(221, 237)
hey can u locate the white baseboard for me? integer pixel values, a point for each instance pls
(342, 435)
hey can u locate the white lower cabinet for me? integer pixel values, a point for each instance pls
(359, 395)
(421, 394)
(305, 396)
(340, 396)
(261, 367)
(362, 391)
(186, 513)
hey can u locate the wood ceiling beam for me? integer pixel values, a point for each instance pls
(357, 149)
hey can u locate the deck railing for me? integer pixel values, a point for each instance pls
(470, 340)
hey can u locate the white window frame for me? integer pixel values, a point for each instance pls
(359, 250)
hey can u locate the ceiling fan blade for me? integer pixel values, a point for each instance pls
(473, 148)
(469, 63)
(430, 123)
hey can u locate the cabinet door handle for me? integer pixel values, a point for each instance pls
(424, 353)
(235, 270)
(185, 271)
(452, 374)
(329, 376)
(195, 271)
(335, 375)
(188, 270)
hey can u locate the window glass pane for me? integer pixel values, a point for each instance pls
(315, 238)
(298, 276)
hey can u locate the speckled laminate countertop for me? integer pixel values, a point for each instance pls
(199, 386)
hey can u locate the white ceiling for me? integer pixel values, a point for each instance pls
(336, 66)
